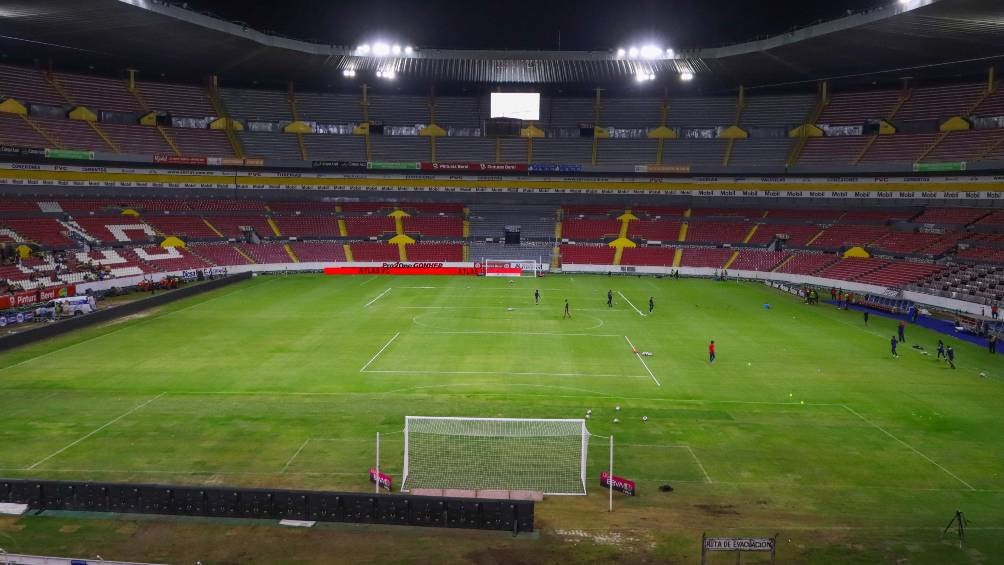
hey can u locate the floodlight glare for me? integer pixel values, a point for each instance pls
(686, 76)
(641, 76)
(363, 49)
(396, 49)
(381, 49)
(621, 52)
(650, 52)
(389, 74)
(670, 53)
(379, 74)
(408, 49)
(349, 73)
(633, 52)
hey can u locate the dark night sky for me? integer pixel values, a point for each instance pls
(530, 24)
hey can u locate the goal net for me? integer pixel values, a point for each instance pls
(511, 267)
(547, 456)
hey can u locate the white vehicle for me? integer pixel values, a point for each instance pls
(66, 307)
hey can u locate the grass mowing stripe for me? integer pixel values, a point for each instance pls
(55, 453)
(908, 446)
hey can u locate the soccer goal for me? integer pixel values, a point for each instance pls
(547, 456)
(511, 267)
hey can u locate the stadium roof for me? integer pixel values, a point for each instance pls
(912, 38)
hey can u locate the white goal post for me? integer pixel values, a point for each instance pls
(541, 455)
(511, 267)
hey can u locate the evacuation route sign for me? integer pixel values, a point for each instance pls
(739, 544)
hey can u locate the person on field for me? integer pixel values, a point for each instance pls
(950, 356)
(568, 313)
(941, 350)
(992, 344)
(651, 304)
(902, 331)
(893, 343)
(866, 317)
(610, 299)
(536, 296)
(711, 352)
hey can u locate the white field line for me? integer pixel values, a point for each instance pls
(105, 425)
(699, 464)
(643, 363)
(907, 445)
(290, 461)
(368, 280)
(385, 346)
(502, 373)
(379, 296)
(640, 313)
(125, 326)
(476, 332)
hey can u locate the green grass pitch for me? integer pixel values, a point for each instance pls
(805, 425)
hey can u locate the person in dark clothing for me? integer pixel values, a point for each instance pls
(610, 299)
(992, 344)
(950, 356)
(866, 317)
(651, 304)
(568, 313)
(902, 331)
(941, 349)
(893, 343)
(536, 296)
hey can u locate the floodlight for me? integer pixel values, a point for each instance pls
(381, 49)
(650, 52)
(670, 53)
(685, 76)
(621, 52)
(349, 73)
(395, 49)
(408, 49)
(363, 49)
(633, 52)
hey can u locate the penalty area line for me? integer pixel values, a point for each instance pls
(643, 363)
(379, 296)
(385, 346)
(640, 313)
(290, 461)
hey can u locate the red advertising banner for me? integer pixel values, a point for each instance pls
(620, 484)
(477, 167)
(405, 269)
(179, 160)
(30, 297)
(385, 481)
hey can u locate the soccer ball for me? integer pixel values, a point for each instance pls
(617, 408)
(617, 420)
(644, 418)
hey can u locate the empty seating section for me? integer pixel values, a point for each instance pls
(571, 112)
(700, 152)
(939, 102)
(375, 252)
(965, 145)
(822, 216)
(491, 221)
(234, 226)
(905, 242)
(43, 231)
(757, 260)
(587, 255)
(258, 105)
(752, 153)
(170, 259)
(992, 106)
(219, 253)
(655, 230)
(329, 108)
(626, 151)
(631, 112)
(983, 254)
(303, 207)
(400, 148)
(435, 252)
(880, 215)
(701, 112)
(467, 149)
(766, 111)
(336, 147)
(950, 216)
(226, 205)
(399, 110)
(798, 235)
(16, 131)
(28, 86)
(69, 134)
(853, 108)
(727, 212)
(994, 218)
(458, 112)
(717, 232)
(178, 100)
(826, 150)
(479, 251)
(842, 235)
(312, 251)
(307, 226)
(269, 144)
(115, 229)
(181, 226)
(557, 150)
(851, 268)
(983, 284)
(137, 139)
(900, 273)
(657, 256)
(98, 93)
(806, 263)
(705, 257)
(899, 148)
(435, 226)
(367, 226)
(266, 253)
(589, 229)
(212, 143)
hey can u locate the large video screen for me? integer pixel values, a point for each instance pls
(517, 105)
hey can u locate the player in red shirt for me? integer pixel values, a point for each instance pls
(711, 352)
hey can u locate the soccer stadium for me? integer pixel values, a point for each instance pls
(501, 282)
